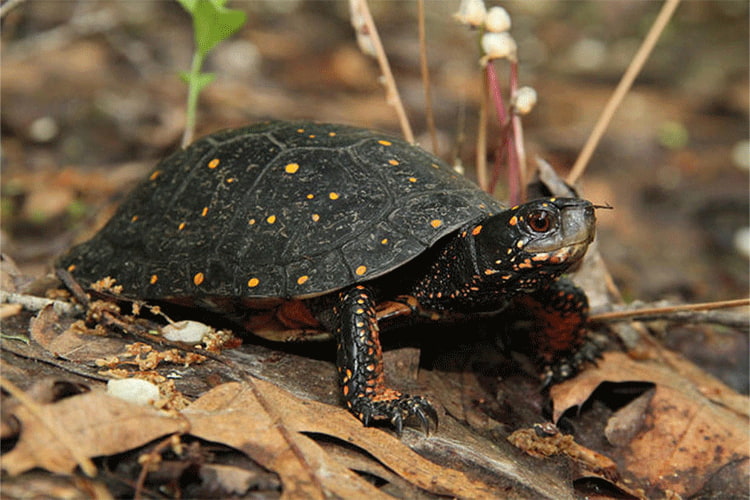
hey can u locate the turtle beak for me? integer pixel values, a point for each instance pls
(578, 221)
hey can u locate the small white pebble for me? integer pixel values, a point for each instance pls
(44, 129)
(524, 100)
(498, 20)
(498, 46)
(741, 155)
(471, 12)
(190, 332)
(135, 390)
(742, 241)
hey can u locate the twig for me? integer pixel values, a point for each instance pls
(425, 71)
(622, 89)
(86, 465)
(370, 44)
(517, 136)
(153, 457)
(33, 303)
(504, 137)
(481, 162)
(508, 140)
(667, 312)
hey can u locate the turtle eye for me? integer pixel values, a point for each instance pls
(540, 221)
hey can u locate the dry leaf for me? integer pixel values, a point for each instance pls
(232, 415)
(685, 438)
(219, 414)
(97, 423)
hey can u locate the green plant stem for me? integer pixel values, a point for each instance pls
(192, 102)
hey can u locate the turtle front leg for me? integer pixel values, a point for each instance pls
(360, 367)
(558, 335)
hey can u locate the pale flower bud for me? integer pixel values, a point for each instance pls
(498, 46)
(524, 100)
(471, 12)
(497, 20)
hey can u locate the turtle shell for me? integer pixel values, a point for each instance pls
(279, 209)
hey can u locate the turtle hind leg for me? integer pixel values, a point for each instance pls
(559, 338)
(360, 367)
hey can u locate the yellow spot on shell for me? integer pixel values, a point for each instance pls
(393, 162)
(204, 211)
(213, 163)
(253, 282)
(271, 219)
(310, 196)
(476, 230)
(384, 142)
(154, 279)
(231, 180)
(311, 136)
(513, 221)
(181, 226)
(291, 168)
(134, 218)
(300, 130)
(251, 221)
(302, 279)
(412, 179)
(154, 175)
(361, 270)
(436, 223)
(334, 196)
(71, 268)
(315, 217)
(198, 278)
(332, 134)
(384, 241)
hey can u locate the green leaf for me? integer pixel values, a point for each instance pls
(188, 5)
(214, 23)
(199, 81)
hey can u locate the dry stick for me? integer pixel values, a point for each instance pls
(481, 161)
(705, 306)
(155, 452)
(86, 465)
(622, 89)
(507, 141)
(425, 71)
(365, 27)
(519, 146)
(614, 102)
(286, 434)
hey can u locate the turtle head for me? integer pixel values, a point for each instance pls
(534, 241)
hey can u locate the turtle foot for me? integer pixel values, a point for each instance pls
(399, 410)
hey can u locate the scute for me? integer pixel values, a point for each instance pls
(280, 209)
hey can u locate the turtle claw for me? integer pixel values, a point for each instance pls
(399, 411)
(569, 365)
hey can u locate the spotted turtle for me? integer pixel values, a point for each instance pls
(311, 229)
